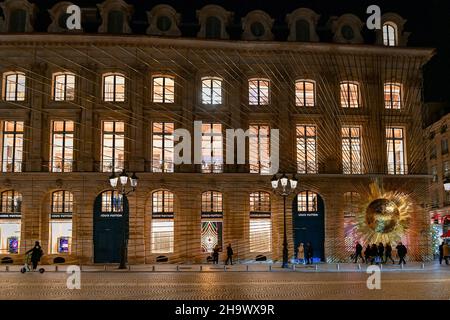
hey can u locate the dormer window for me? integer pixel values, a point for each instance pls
(302, 25)
(213, 22)
(59, 16)
(116, 15)
(390, 34)
(347, 29)
(19, 16)
(257, 25)
(14, 86)
(163, 20)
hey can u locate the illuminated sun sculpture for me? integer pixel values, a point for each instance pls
(384, 216)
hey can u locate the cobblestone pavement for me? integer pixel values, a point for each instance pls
(226, 285)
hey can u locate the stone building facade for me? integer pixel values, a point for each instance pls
(349, 79)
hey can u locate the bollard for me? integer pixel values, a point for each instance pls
(423, 265)
(129, 267)
(56, 268)
(104, 267)
(247, 268)
(270, 267)
(7, 268)
(338, 267)
(201, 268)
(381, 266)
(153, 268)
(359, 266)
(316, 267)
(81, 267)
(178, 268)
(401, 266)
(224, 268)
(293, 267)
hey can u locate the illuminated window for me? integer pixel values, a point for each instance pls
(395, 150)
(61, 222)
(10, 221)
(351, 150)
(305, 93)
(307, 201)
(259, 149)
(392, 95)
(163, 89)
(260, 228)
(211, 221)
(211, 91)
(64, 87)
(14, 86)
(212, 148)
(113, 147)
(351, 208)
(112, 201)
(162, 228)
(390, 34)
(258, 91)
(12, 146)
(114, 88)
(163, 147)
(349, 95)
(62, 146)
(306, 149)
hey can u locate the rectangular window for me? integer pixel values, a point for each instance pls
(349, 95)
(163, 89)
(162, 236)
(259, 149)
(14, 87)
(305, 93)
(114, 88)
(211, 91)
(62, 146)
(12, 146)
(444, 146)
(162, 147)
(60, 236)
(113, 146)
(306, 149)
(260, 235)
(392, 95)
(64, 87)
(10, 236)
(258, 91)
(395, 150)
(212, 148)
(351, 150)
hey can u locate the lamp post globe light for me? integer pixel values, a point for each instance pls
(120, 184)
(284, 186)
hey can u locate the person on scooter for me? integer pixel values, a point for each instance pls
(36, 254)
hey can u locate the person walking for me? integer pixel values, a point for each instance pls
(216, 254)
(446, 252)
(229, 254)
(401, 251)
(36, 254)
(309, 253)
(441, 252)
(380, 252)
(358, 252)
(373, 253)
(367, 254)
(301, 253)
(388, 253)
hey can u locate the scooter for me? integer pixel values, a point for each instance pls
(27, 265)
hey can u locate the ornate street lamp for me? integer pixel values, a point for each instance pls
(120, 184)
(284, 186)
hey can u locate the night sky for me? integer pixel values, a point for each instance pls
(428, 22)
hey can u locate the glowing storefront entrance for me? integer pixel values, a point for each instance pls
(10, 222)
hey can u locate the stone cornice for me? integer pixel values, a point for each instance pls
(193, 43)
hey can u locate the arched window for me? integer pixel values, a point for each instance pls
(307, 201)
(260, 229)
(305, 93)
(211, 90)
(114, 87)
(112, 201)
(393, 95)
(60, 227)
(351, 207)
(162, 228)
(115, 21)
(390, 34)
(213, 28)
(211, 220)
(63, 86)
(10, 221)
(258, 91)
(14, 86)
(163, 89)
(18, 20)
(302, 30)
(349, 94)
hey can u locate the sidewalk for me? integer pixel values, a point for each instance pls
(250, 267)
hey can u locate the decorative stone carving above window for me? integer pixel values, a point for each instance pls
(392, 24)
(347, 29)
(213, 21)
(59, 17)
(19, 16)
(257, 25)
(163, 20)
(116, 15)
(302, 25)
